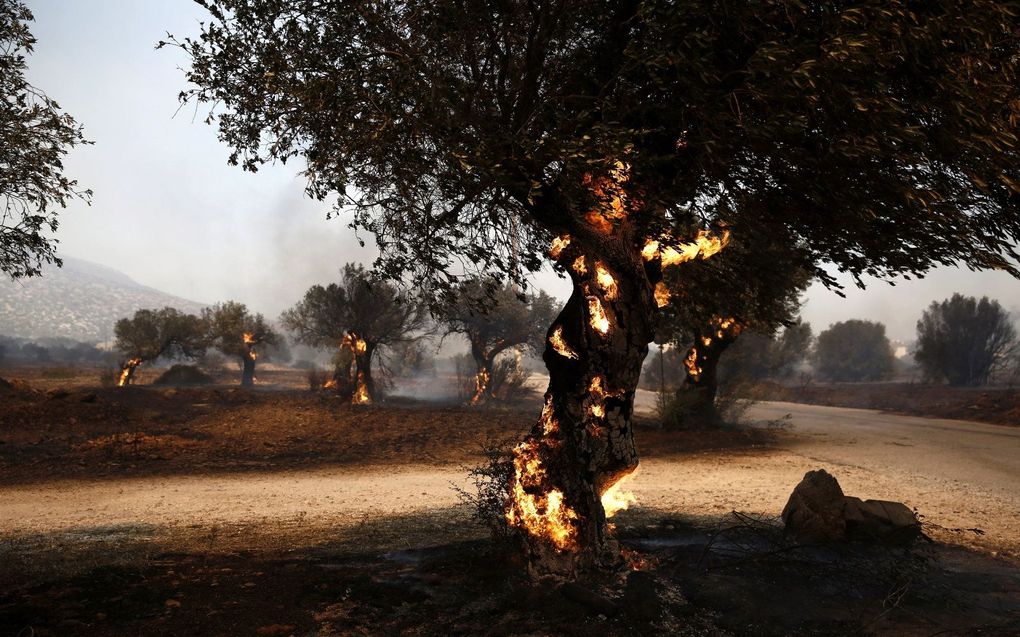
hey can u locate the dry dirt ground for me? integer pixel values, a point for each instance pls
(217, 511)
(998, 405)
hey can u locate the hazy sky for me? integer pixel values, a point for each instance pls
(169, 212)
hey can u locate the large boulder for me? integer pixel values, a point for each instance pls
(818, 512)
(814, 512)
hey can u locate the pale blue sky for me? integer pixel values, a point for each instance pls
(169, 212)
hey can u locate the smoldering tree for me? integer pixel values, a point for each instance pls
(235, 331)
(961, 340)
(495, 318)
(360, 314)
(854, 350)
(881, 137)
(151, 334)
(748, 287)
(35, 135)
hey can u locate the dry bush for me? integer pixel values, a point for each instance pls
(491, 482)
(509, 379)
(317, 378)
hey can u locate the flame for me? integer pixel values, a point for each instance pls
(329, 384)
(542, 514)
(354, 343)
(691, 363)
(703, 246)
(579, 265)
(125, 374)
(597, 390)
(560, 346)
(605, 280)
(597, 316)
(662, 294)
(249, 338)
(615, 499)
(361, 395)
(558, 244)
(612, 198)
(549, 424)
(481, 385)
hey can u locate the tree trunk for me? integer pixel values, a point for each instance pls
(364, 386)
(127, 372)
(701, 386)
(583, 443)
(483, 375)
(247, 370)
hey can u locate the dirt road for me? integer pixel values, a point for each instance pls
(957, 474)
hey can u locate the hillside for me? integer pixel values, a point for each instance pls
(80, 301)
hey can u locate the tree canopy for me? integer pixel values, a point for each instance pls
(962, 339)
(880, 136)
(854, 350)
(35, 135)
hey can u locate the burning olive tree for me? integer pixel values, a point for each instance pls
(235, 331)
(495, 318)
(633, 136)
(35, 135)
(150, 334)
(750, 286)
(359, 314)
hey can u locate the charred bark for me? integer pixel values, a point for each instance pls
(364, 385)
(247, 370)
(584, 442)
(701, 385)
(483, 372)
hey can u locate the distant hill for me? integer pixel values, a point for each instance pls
(81, 301)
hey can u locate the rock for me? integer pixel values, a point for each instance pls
(814, 512)
(881, 521)
(642, 596)
(594, 602)
(58, 394)
(818, 511)
(89, 397)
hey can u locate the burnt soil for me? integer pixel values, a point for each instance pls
(996, 405)
(726, 574)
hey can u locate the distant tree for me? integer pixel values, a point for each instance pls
(758, 356)
(494, 318)
(35, 134)
(854, 350)
(150, 334)
(962, 340)
(358, 314)
(236, 332)
(748, 287)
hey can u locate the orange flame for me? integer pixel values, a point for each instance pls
(361, 395)
(703, 246)
(329, 384)
(691, 363)
(579, 265)
(542, 514)
(605, 280)
(662, 294)
(597, 391)
(612, 198)
(560, 346)
(125, 373)
(558, 244)
(615, 499)
(481, 385)
(597, 316)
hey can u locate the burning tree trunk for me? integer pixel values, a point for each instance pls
(702, 365)
(583, 444)
(483, 376)
(248, 361)
(127, 371)
(364, 386)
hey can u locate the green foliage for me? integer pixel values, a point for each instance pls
(494, 317)
(881, 137)
(757, 357)
(854, 350)
(962, 340)
(228, 323)
(35, 135)
(167, 332)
